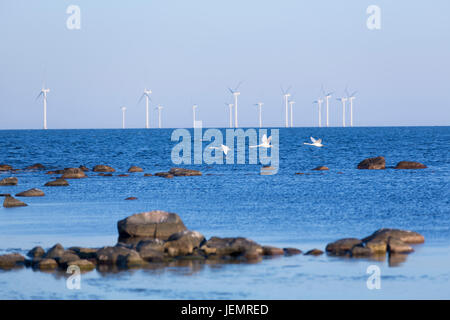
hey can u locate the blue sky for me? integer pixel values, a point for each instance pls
(191, 51)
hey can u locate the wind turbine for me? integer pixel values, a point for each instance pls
(343, 100)
(235, 94)
(159, 108)
(146, 94)
(123, 116)
(319, 103)
(327, 98)
(44, 94)
(230, 106)
(259, 104)
(351, 98)
(193, 114)
(286, 96)
(291, 103)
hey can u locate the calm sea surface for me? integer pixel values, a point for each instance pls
(303, 211)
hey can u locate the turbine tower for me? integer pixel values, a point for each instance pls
(44, 94)
(343, 100)
(259, 104)
(286, 96)
(123, 116)
(235, 94)
(159, 108)
(146, 94)
(230, 106)
(291, 103)
(193, 114)
(319, 103)
(351, 98)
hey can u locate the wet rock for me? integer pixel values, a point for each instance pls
(105, 174)
(291, 251)
(342, 246)
(360, 251)
(300, 173)
(46, 264)
(373, 163)
(57, 183)
(5, 167)
(406, 236)
(11, 202)
(164, 175)
(11, 260)
(123, 175)
(103, 168)
(84, 168)
(55, 172)
(131, 260)
(73, 173)
(321, 168)
(66, 258)
(36, 166)
(83, 264)
(252, 255)
(131, 198)
(395, 245)
(111, 255)
(36, 252)
(12, 181)
(56, 251)
(148, 175)
(135, 169)
(377, 246)
(183, 243)
(410, 165)
(84, 253)
(314, 252)
(230, 246)
(151, 250)
(272, 251)
(181, 172)
(31, 193)
(154, 224)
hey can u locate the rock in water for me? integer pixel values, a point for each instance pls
(395, 245)
(154, 224)
(36, 252)
(314, 252)
(57, 183)
(36, 166)
(9, 181)
(230, 246)
(410, 165)
(11, 260)
(343, 246)
(321, 168)
(83, 264)
(181, 172)
(5, 167)
(84, 168)
(131, 198)
(272, 251)
(135, 169)
(164, 175)
(373, 163)
(47, 264)
(11, 202)
(55, 252)
(31, 193)
(73, 173)
(183, 243)
(406, 236)
(103, 168)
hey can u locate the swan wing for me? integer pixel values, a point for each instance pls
(319, 140)
(264, 139)
(313, 140)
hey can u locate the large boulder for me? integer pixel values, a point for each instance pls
(183, 243)
(373, 163)
(179, 172)
(57, 183)
(230, 246)
(12, 181)
(11, 202)
(154, 224)
(343, 246)
(103, 168)
(410, 165)
(31, 193)
(5, 167)
(73, 173)
(11, 260)
(135, 169)
(406, 236)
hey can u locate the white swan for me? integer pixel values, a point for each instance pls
(265, 142)
(316, 143)
(222, 148)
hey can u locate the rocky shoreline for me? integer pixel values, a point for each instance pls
(161, 238)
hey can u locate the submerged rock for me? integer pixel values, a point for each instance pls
(148, 175)
(11, 202)
(11, 181)
(181, 172)
(135, 169)
(131, 198)
(321, 168)
(164, 175)
(31, 193)
(373, 163)
(73, 173)
(84, 168)
(291, 251)
(314, 252)
(36, 166)
(410, 165)
(103, 168)
(57, 183)
(5, 167)
(154, 224)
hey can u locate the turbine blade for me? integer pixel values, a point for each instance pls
(239, 84)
